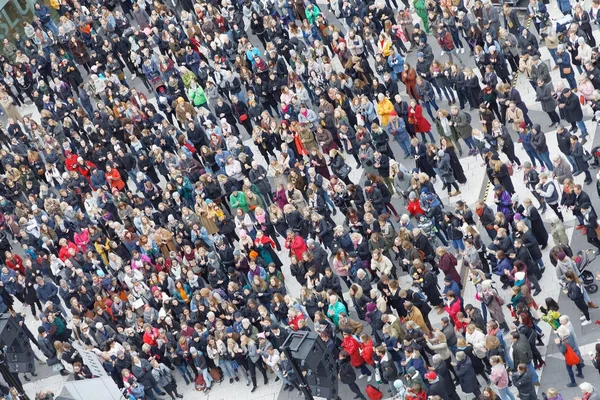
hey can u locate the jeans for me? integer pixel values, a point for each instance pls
(573, 163)
(364, 370)
(533, 156)
(508, 358)
(582, 128)
(185, 372)
(505, 394)
(207, 378)
(458, 244)
(535, 377)
(227, 369)
(571, 79)
(428, 105)
(545, 157)
(404, 144)
(470, 142)
(570, 371)
(456, 39)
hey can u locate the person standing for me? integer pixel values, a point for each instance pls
(499, 378)
(568, 347)
(523, 381)
(347, 375)
(571, 111)
(550, 193)
(574, 290)
(579, 157)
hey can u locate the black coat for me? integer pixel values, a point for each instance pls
(524, 384)
(466, 376)
(572, 110)
(577, 154)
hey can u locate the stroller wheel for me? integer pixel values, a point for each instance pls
(587, 277)
(593, 288)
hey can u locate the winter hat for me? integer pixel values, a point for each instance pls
(519, 278)
(561, 256)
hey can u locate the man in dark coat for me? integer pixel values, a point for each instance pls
(521, 349)
(439, 386)
(466, 374)
(579, 157)
(570, 109)
(347, 375)
(582, 200)
(523, 381)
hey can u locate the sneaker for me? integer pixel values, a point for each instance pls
(362, 376)
(582, 318)
(370, 378)
(442, 53)
(580, 376)
(457, 50)
(462, 51)
(571, 384)
(584, 323)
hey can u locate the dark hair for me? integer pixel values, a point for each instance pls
(551, 304)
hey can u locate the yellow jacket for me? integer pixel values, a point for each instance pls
(384, 108)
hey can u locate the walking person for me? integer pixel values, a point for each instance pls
(568, 347)
(347, 375)
(547, 190)
(574, 290)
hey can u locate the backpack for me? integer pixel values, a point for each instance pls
(469, 118)
(509, 168)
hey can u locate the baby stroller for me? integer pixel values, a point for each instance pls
(583, 258)
(595, 160)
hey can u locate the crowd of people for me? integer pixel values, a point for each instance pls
(138, 222)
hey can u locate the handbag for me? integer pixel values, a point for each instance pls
(571, 358)
(243, 117)
(344, 171)
(567, 70)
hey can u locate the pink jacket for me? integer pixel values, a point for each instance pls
(499, 376)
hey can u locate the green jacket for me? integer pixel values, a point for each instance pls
(197, 95)
(311, 15)
(238, 201)
(334, 311)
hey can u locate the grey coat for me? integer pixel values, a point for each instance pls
(563, 171)
(162, 375)
(446, 169)
(462, 126)
(544, 96)
(541, 71)
(524, 383)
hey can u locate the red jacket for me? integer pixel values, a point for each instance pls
(63, 253)
(297, 246)
(293, 322)
(150, 338)
(420, 123)
(414, 207)
(453, 309)
(16, 264)
(351, 346)
(367, 351)
(71, 162)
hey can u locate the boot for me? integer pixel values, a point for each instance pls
(592, 305)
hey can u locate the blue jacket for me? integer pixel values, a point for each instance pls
(43, 14)
(9, 286)
(501, 266)
(98, 179)
(48, 292)
(396, 63)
